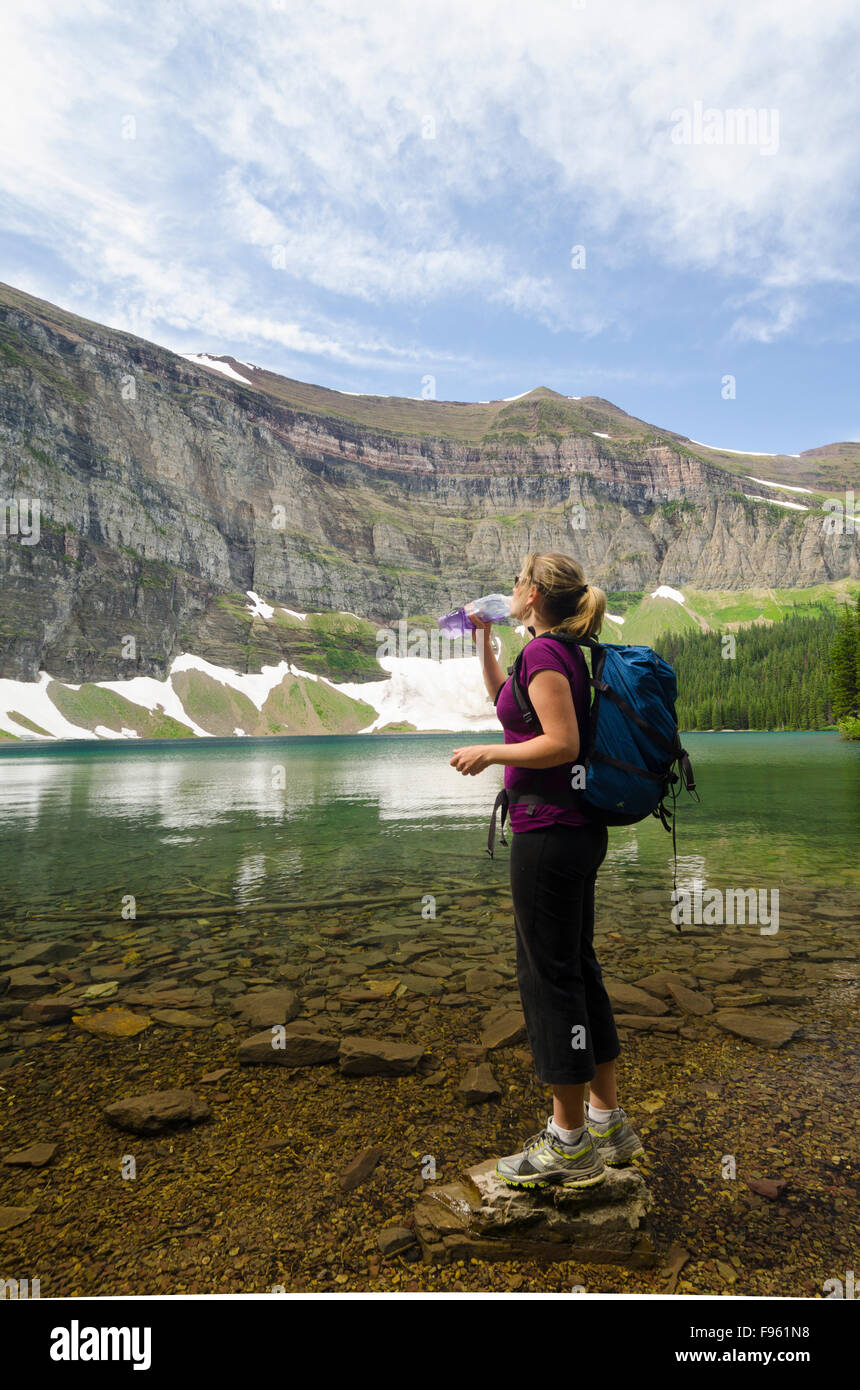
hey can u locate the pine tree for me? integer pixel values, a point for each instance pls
(843, 666)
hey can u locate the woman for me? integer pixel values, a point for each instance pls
(555, 854)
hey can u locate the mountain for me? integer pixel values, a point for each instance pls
(172, 492)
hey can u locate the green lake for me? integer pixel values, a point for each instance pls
(238, 824)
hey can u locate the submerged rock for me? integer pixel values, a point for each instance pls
(392, 1239)
(764, 1029)
(689, 1001)
(360, 1169)
(377, 1056)
(479, 1084)
(155, 1111)
(268, 1007)
(503, 1030)
(289, 1049)
(14, 1216)
(34, 1156)
(113, 1023)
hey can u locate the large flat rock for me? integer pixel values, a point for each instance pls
(480, 1217)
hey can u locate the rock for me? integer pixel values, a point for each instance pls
(360, 1169)
(29, 982)
(787, 996)
(479, 980)
(767, 1187)
(481, 1217)
(39, 953)
(369, 991)
(741, 1001)
(48, 1011)
(623, 995)
(421, 984)
(503, 1030)
(101, 991)
(155, 1111)
(212, 1077)
(658, 984)
(178, 1018)
(267, 1007)
(35, 1156)
(689, 1001)
(479, 1084)
(170, 998)
(648, 1023)
(436, 970)
(361, 1056)
(674, 1260)
(394, 1238)
(14, 1216)
(722, 972)
(471, 1052)
(764, 1029)
(114, 1022)
(300, 1049)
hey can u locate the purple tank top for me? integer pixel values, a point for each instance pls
(543, 654)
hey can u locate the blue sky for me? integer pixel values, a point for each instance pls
(369, 194)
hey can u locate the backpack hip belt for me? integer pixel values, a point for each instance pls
(506, 799)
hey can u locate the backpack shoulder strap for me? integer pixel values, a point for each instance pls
(521, 695)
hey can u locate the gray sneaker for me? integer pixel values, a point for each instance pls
(616, 1139)
(546, 1159)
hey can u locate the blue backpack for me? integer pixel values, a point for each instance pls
(628, 750)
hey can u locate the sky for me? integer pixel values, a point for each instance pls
(459, 200)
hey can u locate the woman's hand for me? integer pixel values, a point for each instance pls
(480, 636)
(479, 623)
(472, 760)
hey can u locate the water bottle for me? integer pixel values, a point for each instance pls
(492, 608)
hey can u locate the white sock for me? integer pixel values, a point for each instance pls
(599, 1117)
(567, 1136)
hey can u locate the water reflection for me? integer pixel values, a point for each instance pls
(254, 820)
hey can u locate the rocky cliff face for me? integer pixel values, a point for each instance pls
(167, 491)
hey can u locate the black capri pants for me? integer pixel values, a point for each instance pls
(568, 1015)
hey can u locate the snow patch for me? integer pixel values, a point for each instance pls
(750, 453)
(30, 698)
(601, 436)
(154, 695)
(203, 359)
(612, 618)
(776, 501)
(257, 607)
(256, 687)
(665, 592)
(786, 487)
(293, 614)
(430, 694)
(514, 398)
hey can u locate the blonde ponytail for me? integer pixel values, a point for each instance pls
(578, 608)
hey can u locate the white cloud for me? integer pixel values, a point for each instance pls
(304, 127)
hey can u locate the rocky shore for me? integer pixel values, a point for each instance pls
(245, 1103)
